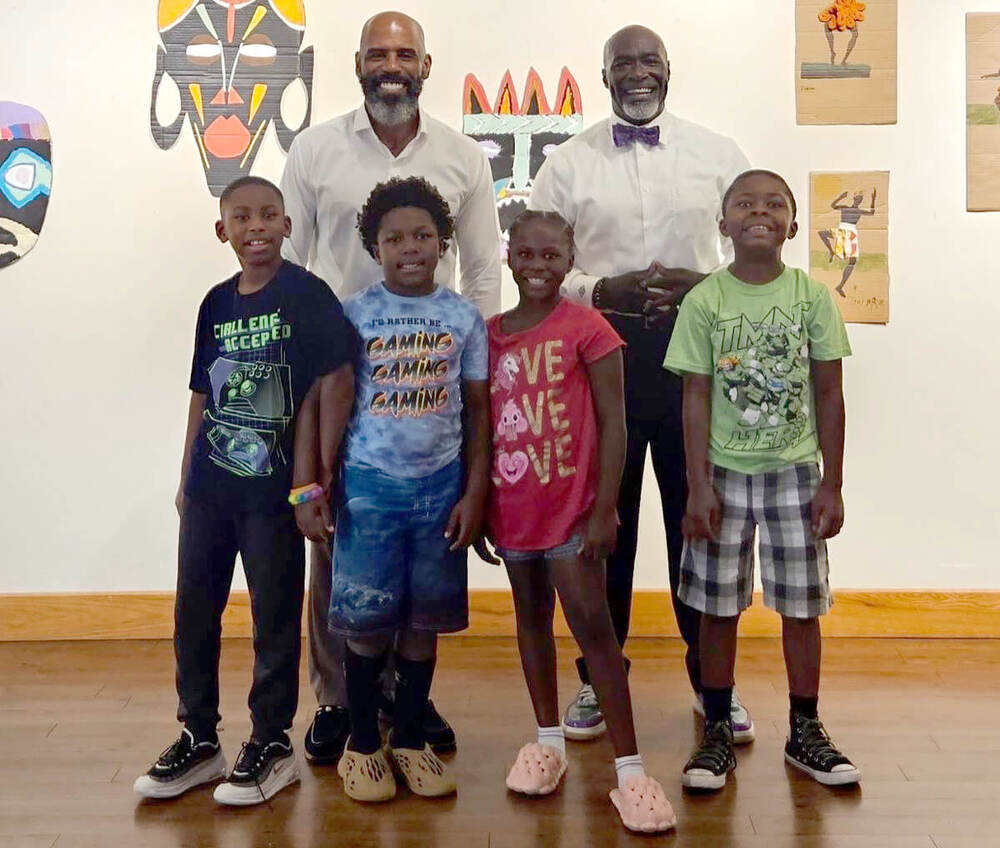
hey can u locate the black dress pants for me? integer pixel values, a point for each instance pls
(663, 437)
(273, 554)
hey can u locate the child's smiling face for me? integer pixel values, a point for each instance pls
(254, 223)
(758, 214)
(539, 256)
(408, 248)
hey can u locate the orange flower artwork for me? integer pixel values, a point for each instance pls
(852, 81)
(842, 15)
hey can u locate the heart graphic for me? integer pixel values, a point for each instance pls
(512, 465)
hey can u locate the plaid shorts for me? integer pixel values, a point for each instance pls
(717, 576)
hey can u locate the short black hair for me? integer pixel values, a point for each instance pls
(411, 192)
(239, 182)
(759, 172)
(530, 215)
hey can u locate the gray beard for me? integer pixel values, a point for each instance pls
(641, 114)
(391, 114)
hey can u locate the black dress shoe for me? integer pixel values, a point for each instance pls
(437, 732)
(327, 735)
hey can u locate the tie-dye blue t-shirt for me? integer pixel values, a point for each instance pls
(414, 354)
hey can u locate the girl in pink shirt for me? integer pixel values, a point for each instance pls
(558, 446)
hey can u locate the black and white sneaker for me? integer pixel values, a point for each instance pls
(713, 760)
(327, 735)
(262, 770)
(185, 764)
(810, 749)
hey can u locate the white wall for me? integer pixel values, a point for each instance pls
(100, 315)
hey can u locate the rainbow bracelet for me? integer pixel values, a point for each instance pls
(304, 494)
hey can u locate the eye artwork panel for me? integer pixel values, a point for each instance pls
(231, 60)
(982, 111)
(849, 241)
(25, 179)
(845, 61)
(518, 136)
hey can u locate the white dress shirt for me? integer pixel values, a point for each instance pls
(332, 168)
(632, 205)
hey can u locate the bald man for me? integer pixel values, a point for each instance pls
(331, 169)
(643, 191)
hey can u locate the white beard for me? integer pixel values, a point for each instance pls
(392, 114)
(640, 114)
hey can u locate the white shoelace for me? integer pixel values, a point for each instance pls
(587, 697)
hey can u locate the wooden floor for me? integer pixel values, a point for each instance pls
(80, 720)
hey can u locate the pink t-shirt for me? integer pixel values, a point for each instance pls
(545, 459)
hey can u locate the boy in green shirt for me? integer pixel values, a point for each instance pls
(760, 346)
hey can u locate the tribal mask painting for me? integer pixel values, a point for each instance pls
(517, 138)
(232, 60)
(25, 179)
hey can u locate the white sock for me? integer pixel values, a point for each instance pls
(552, 736)
(630, 766)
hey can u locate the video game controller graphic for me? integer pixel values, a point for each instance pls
(240, 449)
(252, 389)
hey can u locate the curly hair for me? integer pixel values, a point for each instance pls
(412, 192)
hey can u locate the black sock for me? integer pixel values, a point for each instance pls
(717, 703)
(206, 733)
(266, 737)
(413, 685)
(361, 676)
(802, 706)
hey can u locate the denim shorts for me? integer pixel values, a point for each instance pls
(391, 565)
(569, 548)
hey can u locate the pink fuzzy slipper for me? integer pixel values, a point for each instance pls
(643, 805)
(538, 769)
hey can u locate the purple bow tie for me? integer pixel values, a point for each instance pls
(626, 134)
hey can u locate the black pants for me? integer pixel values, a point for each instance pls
(665, 440)
(273, 556)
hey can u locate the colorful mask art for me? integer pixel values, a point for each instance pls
(517, 138)
(232, 60)
(25, 179)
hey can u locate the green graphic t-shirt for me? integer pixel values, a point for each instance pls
(755, 341)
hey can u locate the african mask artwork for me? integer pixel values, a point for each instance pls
(25, 179)
(232, 60)
(518, 137)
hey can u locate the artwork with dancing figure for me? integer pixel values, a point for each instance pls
(982, 111)
(518, 135)
(232, 61)
(849, 241)
(845, 59)
(25, 179)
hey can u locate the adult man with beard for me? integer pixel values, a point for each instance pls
(643, 191)
(331, 169)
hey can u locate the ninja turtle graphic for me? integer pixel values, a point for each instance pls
(767, 381)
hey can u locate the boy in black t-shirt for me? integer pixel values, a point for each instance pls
(272, 344)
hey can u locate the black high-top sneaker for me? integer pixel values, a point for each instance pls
(711, 763)
(810, 749)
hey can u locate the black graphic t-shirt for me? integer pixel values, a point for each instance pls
(255, 357)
